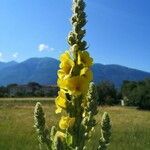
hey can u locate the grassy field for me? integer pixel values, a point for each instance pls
(131, 127)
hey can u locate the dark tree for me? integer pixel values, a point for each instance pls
(107, 93)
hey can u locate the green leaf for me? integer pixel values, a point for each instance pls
(69, 139)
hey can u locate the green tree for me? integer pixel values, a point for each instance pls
(107, 93)
(3, 91)
(137, 93)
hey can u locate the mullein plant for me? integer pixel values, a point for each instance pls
(77, 98)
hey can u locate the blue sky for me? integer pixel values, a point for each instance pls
(118, 31)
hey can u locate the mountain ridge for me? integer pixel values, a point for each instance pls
(44, 71)
(7, 64)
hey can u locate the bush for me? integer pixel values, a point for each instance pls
(107, 93)
(144, 104)
(137, 93)
(110, 101)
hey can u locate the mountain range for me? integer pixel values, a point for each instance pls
(44, 71)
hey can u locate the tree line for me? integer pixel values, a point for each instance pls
(133, 93)
(32, 89)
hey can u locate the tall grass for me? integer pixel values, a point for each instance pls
(131, 127)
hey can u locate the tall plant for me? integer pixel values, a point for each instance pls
(77, 97)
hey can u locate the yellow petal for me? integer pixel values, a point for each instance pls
(66, 122)
(65, 56)
(58, 110)
(87, 73)
(61, 99)
(61, 83)
(76, 85)
(84, 58)
(61, 74)
(66, 65)
(60, 135)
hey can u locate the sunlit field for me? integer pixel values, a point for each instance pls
(130, 128)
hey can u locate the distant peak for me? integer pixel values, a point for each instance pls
(41, 58)
(13, 62)
(9, 62)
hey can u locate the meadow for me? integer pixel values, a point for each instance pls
(130, 126)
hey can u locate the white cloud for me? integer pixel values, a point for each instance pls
(1, 54)
(44, 47)
(15, 55)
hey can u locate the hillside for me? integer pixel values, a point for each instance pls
(44, 71)
(117, 73)
(7, 64)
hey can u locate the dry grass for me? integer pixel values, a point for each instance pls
(131, 127)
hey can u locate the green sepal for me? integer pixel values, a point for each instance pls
(69, 139)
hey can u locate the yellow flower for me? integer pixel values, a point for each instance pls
(64, 56)
(76, 85)
(61, 83)
(87, 73)
(66, 69)
(66, 65)
(60, 134)
(66, 122)
(61, 74)
(58, 110)
(84, 58)
(60, 101)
